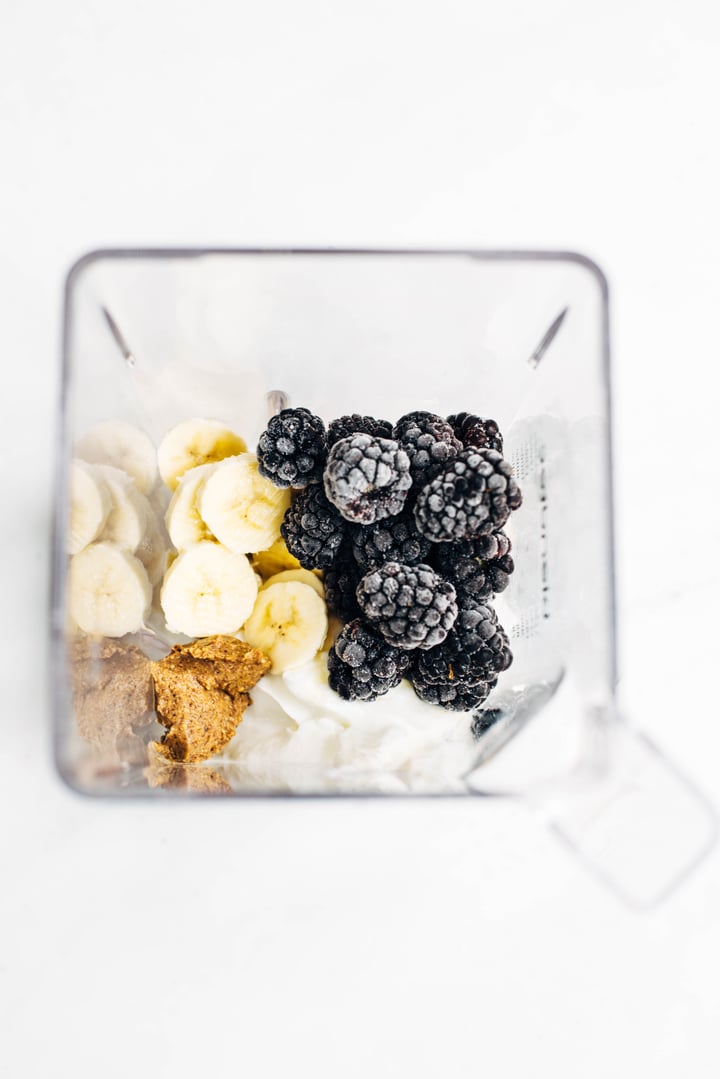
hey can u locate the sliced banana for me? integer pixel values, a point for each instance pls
(208, 589)
(289, 624)
(183, 521)
(240, 507)
(195, 442)
(123, 446)
(304, 576)
(109, 591)
(275, 559)
(129, 511)
(89, 506)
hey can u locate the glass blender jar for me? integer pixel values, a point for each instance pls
(154, 337)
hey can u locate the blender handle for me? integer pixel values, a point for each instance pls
(640, 826)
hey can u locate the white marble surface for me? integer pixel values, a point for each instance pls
(364, 938)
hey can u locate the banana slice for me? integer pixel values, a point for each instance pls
(289, 624)
(275, 559)
(183, 521)
(195, 442)
(109, 591)
(89, 506)
(123, 446)
(207, 590)
(129, 510)
(304, 576)
(241, 507)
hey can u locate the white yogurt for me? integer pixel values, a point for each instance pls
(299, 735)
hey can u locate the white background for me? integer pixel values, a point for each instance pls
(357, 939)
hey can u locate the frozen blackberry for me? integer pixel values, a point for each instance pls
(465, 572)
(292, 449)
(460, 672)
(484, 720)
(486, 547)
(394, 539)
(451, 694)
(446, 664)
(499, 571)
(345, 426)
(367, 478)
(340, 584)
(493, 550)
(362, 666)
(456, 421)
(412, 606)
(463, 564)
(313, 529)
(476, 432)
(473, 494)
(491, 546)
(429, 442)
(452, 679)
(477, 633)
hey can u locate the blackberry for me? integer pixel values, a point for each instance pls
(394, 539)
(486, 547)
(367, 478)
(292, 449)
(429, 442)
(474, 431)
(412, 606)
(477, 633)
(452, 680)
(484, 720)
(470, 567)
(362, 666)
(493, 550)
(340, 584)
(313, 529)
(465, 572)
(357, 425)
(448, 662)
(452, 695)
(490, 546)
(473, 494)
(499, 571)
